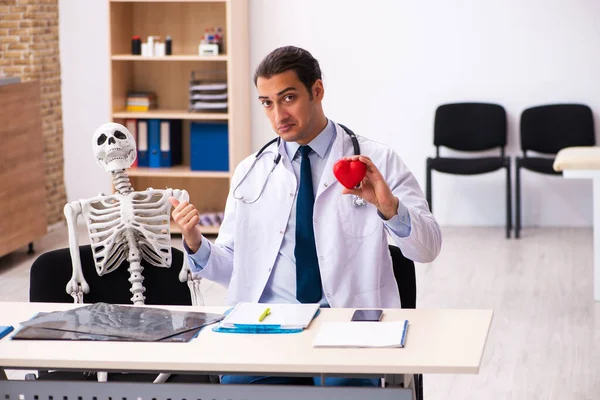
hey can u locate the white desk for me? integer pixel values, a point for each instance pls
(438, 341)
(584, 163)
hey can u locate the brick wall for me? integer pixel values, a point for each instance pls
(29, 49)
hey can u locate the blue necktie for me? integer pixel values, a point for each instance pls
(308, 278)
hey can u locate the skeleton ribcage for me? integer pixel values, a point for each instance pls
(129, 227)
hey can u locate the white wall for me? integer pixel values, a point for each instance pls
(85, 92)
(387, 66)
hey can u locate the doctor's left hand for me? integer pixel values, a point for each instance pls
(374, 189)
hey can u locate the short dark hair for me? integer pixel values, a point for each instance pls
(290, 58)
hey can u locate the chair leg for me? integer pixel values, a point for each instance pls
(518, 200)
(419, 387)
(428, 186)
(508, 201)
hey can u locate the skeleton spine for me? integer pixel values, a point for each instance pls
(121, 181)
(135, 271)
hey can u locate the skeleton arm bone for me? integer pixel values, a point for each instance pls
(77, 286)
(194, 286)
(181, 195)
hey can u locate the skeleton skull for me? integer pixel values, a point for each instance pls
(114, 147)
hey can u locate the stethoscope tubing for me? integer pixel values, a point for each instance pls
(358, 202)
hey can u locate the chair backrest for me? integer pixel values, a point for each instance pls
(51, 271)
(470, 126)
(550, 128)
(404, 272)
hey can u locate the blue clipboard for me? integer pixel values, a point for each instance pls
(5, 330)
(257, 329)
(403, 340)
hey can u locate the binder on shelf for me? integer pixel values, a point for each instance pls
(142, 143)
(209, 148)
(170, 142)
(131, 125)
(154, 143)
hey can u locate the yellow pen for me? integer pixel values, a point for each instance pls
(264, 314)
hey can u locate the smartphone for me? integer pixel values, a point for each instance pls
(367, 315)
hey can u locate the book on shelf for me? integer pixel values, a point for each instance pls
(141, 101)
(138, 108)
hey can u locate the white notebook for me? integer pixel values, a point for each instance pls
(286, 316)
(361, 334)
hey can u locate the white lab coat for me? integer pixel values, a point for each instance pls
(352, 245)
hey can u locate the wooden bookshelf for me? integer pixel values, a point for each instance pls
(181, 57)
(171, 114)
(179, 171)
(169, 76)
(206, 230)
(162, 1)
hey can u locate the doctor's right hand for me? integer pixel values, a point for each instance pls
(187, 217)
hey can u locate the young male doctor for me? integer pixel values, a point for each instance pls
(291, 232)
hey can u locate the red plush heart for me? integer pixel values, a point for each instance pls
(349, 173)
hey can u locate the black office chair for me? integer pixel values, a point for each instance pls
(470, 127)
(404, 272)
(548, 129)
(51, 271)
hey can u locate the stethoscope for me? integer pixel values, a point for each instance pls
(356, 202)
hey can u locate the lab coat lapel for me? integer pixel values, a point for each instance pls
(337, 151)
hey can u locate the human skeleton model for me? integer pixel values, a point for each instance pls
(126, 225)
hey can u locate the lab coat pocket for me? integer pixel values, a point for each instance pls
(357, 221)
